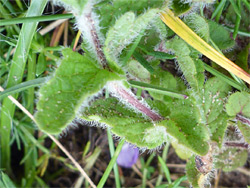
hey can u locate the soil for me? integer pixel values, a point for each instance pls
(76, 139)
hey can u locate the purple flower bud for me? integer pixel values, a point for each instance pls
(128, 156)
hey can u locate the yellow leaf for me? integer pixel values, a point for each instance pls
(181, 29)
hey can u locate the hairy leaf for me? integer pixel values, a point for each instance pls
(194, 176)
(182, 152)
(198, 24)
(190, 65)
(124, 32)
(180, 7)
(139, 130)
(76, 5)
(245, 131)
(220, 36)
(137, 70)
(110, 10)
(162, 79)
(230, 159)
(215, 92)
(76, 79)
(124, 122)
(186, 128)
(218, 128)
(239, 103)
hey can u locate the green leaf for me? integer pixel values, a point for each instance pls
(199, 25)
(76, 79)
(41, 64)
(215, 92)
(137, 70)
(193, 175)
(239, 103)
(245, 131)
(190, 65)
(230, 159)
(126, 29)
(5, 181)
(162, 79)
(76, 5)
(218, 128)
(124, 122)
(220, 36)
(180, 7)
(242, 58)
(183, 125)
(182, 152)
(187, 134)
(143, 62)
(110, 10)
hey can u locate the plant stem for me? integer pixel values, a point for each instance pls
(117, 89)
(243, 119)
(237, 144)
(132, 100)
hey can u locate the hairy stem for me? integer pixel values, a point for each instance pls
(96, 41)
(243, 119)
(243, 145)
(132, 100)
(90, 30)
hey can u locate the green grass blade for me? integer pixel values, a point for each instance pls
(15, 76)
(35, 19)
(5, 181)
(143, 62)
(247, 4)
(111, 164)
(177, 182)
(9, 6)
(31, 76)
(242, 33)
(218, 8)
(19, 4)
(33, 139)
(112, 151)
(237, 10)
(161, 55)
(223, 77)
(165, 169)
(30, 159)
(164, 157)
(132, 49)
(156, 89)
(6, 15)
(158, 55)
(22, 86)
(144, 178)
(237, 79)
